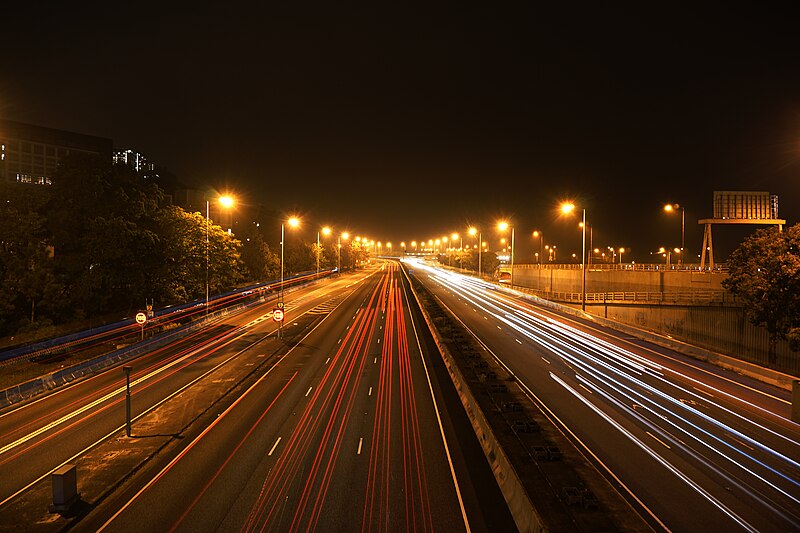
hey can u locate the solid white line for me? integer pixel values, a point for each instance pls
(659, 440)
(436, 410)
(309, 391)
(360, 442)
(274, 446)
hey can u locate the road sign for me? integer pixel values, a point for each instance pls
(141, 318)
(280, 305)
(277, 315)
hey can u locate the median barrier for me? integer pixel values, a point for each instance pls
(519, 503)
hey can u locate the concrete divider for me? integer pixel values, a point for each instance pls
(519, 503)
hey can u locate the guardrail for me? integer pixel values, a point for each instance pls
(696, 297)
(638, 267)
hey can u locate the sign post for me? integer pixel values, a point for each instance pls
(141, 319)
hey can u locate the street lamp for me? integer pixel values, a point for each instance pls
(325, 231)
(503, 226)
(621, 251)
(293, 223)
(344, 235)
(670, 208)
(227, 202)
(475, 231)
(538, 234)
(567, 208)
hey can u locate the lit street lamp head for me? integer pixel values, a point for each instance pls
(226, 201)
(473, 231)
(502, 226)
(567, 208)
(293, 222)
(326, 231)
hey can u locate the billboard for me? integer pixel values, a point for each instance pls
(745, 205)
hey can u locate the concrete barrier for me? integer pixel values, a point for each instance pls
(519, 503)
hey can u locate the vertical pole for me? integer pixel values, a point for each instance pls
(583, 264)
(683, 235)
(127, 370)
(480, 252)
(207, 245)
(796, 401)
(280, 324)
(339, 254)
(317, 253)
(512, 256)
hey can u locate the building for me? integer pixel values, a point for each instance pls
(30, 154)
(133, 159)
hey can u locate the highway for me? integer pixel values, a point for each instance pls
(691, 446)
(342, 426)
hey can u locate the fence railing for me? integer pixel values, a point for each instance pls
(657, 267)
(694, 297)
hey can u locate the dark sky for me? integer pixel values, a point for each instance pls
(407, 121)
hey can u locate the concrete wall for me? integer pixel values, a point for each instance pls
(569, 280)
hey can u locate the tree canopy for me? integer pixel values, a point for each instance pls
(764, 272)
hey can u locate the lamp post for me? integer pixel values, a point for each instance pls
(569, 208)
(293, 222)
(669, 208)
(502, 226)
(339, 238)
(325, 231)
(473, 231)
(227, 202)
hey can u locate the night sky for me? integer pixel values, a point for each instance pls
(409, 121)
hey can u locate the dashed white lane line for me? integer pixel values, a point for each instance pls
(328, 360)
(274, 446)
(375, 361)
(370, 392)
(360, 442)
(659, 440)
(309, 391)
(545, 360)
(519, 341)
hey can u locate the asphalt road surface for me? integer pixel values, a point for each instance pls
(692, 446)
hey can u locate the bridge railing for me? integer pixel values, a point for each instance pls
(645, 267)
(693, 297)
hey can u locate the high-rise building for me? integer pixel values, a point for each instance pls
(134, 159)
(30, 154)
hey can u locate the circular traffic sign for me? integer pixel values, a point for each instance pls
(277, 315)
(141, 318)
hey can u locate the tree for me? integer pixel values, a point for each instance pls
(261, 263)
(29, 291)
(180, 274)
(764, 272)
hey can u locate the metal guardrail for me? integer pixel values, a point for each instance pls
(698, 297)
(633, 267)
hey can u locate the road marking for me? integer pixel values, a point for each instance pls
(519, 341)
(340, 341)
(498, 327)
(375, 361)
(545, 360)
(370, 392)
(585, 387)
(328, 360)
(704, 392)
(274, 446)
(308, 391)
(379, 340)
(262, 355)
(360, 442)
(485, 318)
(741, 442)
(659, 440)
